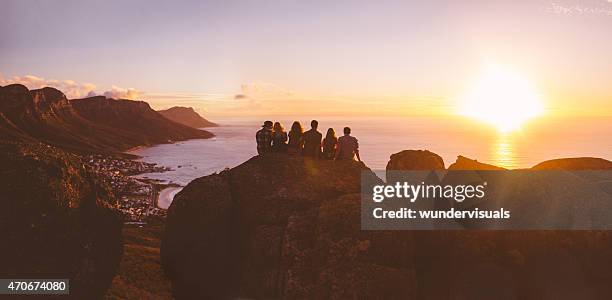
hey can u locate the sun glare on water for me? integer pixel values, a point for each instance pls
(502, 98)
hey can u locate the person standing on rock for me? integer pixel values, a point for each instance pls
(312, 141)
(330, 143)
(264, 138)
(348, 146)
(296, 138)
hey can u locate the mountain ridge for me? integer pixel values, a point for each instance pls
(57, 219)
(186, 116)
(95, 124)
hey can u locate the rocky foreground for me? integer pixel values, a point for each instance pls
(57, 220)
(288, 227)
(67, 188)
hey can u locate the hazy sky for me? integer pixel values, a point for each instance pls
(258, 57)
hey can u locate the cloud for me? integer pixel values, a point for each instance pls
(599, 8)
(122, 93)
(71, 88)
(258, 95)
(265, 90)
(245, 102)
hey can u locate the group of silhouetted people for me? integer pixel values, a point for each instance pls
(272, 137)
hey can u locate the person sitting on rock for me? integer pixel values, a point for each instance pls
(312, 141)
(348, 146)
(330, 143)
(296, 138)
(279, 138)
(264, 138)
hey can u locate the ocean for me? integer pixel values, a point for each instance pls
(537, 141)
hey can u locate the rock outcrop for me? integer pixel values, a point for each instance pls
(415, 160)
(94, 124)
(595, 170)
(56, 220)
(464, 163)
(575, 163)
(282, 226)
(287, 227)
(525, 264)
(186, 116)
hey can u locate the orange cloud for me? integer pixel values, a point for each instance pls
(122, 93)
(265, 90)
(71, 88)
(254, 95)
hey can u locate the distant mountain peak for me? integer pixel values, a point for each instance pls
(49, 96)
(186, 116)
(185, 108)
(16, 87)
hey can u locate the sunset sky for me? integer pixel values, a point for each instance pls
(232, 58)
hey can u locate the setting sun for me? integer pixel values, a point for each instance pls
(502, 98)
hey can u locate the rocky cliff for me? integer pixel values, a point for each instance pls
(94, 124)
(135, 121)
(415, 160)
(464, 163)
(575, 163)
(534, 264)
(56, 220)
(281, 227)
(186, 116)
(287, 227)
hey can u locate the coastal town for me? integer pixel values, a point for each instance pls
(136, 197)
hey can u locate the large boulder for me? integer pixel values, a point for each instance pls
(525, 264)
(575, 163)
(415, 160)
(281, 226)
(287, 227)
(414, 166)
(596, 170)
(57, 220)
(464, 163)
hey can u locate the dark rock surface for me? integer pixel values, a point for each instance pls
(575, 163)
(415, 160)
(186, 116)
(282, 227)
(414, 166)
(520, 264)
(56, 220)
(464, 163)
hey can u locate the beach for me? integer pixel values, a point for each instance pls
(164, 199)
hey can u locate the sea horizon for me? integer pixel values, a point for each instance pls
(379, 138)
(448, 136)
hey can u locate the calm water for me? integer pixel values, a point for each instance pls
(379, 137)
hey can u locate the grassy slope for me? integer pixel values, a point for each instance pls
(140, 275)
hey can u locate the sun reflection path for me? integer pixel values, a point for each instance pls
(503, 152)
